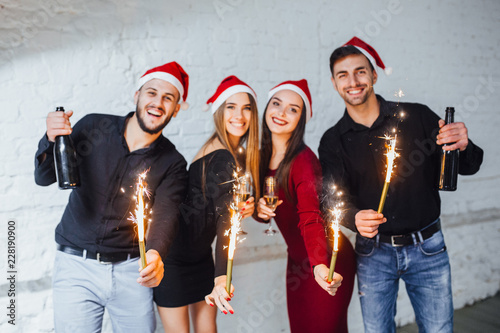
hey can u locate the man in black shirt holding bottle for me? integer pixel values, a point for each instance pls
(96, 263)
(404, 241)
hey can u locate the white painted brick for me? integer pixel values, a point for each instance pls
(10, 111)
(226, 61)
(52, 94)
(202, 60)
(12, 201)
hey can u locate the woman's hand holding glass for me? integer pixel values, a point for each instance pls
(268, 204)
(247, 208)
(264, 211)
(243, 202)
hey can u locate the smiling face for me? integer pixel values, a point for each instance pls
(237, 116)
(156, 104)
(353, 79)
(283, 112)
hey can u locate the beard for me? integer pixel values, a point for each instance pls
(142, 124)
(358, 101)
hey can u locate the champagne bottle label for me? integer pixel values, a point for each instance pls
(65, 161)
(448, 176)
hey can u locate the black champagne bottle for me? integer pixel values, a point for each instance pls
(449, 161)
(65, 161)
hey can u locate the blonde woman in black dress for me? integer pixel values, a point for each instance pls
(193, 286)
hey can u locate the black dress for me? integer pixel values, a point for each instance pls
(189, 266)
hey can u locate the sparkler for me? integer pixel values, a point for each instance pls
(335, 225)
(233, 231)
(233, 238)
(140, 214)
(391, 156)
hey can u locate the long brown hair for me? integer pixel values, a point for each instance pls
(294, 146)
(250, 160)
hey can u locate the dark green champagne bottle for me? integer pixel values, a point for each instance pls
(448, 176)
(65, 161)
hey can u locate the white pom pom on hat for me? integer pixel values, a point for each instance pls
(370, 53)
(206, 107)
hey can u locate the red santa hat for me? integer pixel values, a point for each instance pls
(301, 88)
(229, 86)
(370, 53)
(172, 73)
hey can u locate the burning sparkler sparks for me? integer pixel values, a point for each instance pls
(233, 238)
(335, 225)
(391, 156)
(140, 214)
(239, 197)
(399, 94)
(391, 142)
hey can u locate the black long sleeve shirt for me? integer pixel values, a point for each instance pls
(352, 157)
(205, 214)
(96, 217)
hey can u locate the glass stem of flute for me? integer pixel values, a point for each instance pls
(332, 265)
(229, 275)
(142, 251)
(382, 197)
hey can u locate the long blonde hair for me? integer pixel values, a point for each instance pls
(250, 161)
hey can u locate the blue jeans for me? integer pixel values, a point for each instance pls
(82, 288)
(425, 269)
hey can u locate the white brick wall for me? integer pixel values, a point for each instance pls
(87, 56)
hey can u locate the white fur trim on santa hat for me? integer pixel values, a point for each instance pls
(368, 55)
(165, 77)
(297, 90)
(230, 92)
(387, 70)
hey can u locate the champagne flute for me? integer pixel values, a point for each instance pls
(242, 193)
(271, 198)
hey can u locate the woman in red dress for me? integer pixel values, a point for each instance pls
(314, 305)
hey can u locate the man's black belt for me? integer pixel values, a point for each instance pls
(412, 237)
(102, 258)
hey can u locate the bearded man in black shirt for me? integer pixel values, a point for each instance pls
(96, 264)
(404, 241)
